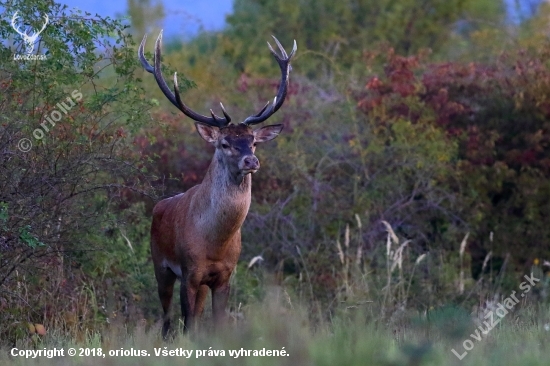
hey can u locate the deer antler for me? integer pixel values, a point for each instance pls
(175, 98)
(24, 34)
(284, 64)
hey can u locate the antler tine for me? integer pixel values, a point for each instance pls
(225, 113)
(280, 46)
(284, 64)
(262, 110)
(157, 72)
(175, 97)
(212, 121)
(146, 65)
(294, 49)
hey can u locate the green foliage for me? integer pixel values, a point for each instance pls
(333, 34)
(498, 122)
(59, 192)
(4, 213)
(29, 239)
(144, 14)
(248, 285)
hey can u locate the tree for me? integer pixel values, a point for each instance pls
(65, 127)
(341, 31)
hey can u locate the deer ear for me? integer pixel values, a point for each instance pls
(208, 133)
(267, 133)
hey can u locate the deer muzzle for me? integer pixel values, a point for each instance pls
(249, 164)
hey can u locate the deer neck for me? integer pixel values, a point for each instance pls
(226, 201)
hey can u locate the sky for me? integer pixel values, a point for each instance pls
(521, 9)
(183, 17)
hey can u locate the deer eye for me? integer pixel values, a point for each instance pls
(225, 145)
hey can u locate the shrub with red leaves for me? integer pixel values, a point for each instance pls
(498, 114)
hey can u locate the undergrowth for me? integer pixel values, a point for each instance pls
(353, 337)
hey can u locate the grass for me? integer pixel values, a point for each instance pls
(370, 322)
(352, 337)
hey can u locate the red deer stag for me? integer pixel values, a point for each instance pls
(196, 236)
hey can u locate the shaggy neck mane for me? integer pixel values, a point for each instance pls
(227, 202)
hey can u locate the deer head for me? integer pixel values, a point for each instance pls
(235, 146)
(28, 39)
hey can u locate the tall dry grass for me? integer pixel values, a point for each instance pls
(350, 338)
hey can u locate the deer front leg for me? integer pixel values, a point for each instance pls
(202, 292)
(188, 295)
(220, 296)
(165, 281)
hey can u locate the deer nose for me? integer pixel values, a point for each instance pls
(250, 162)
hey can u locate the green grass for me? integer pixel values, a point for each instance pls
(352, 337)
